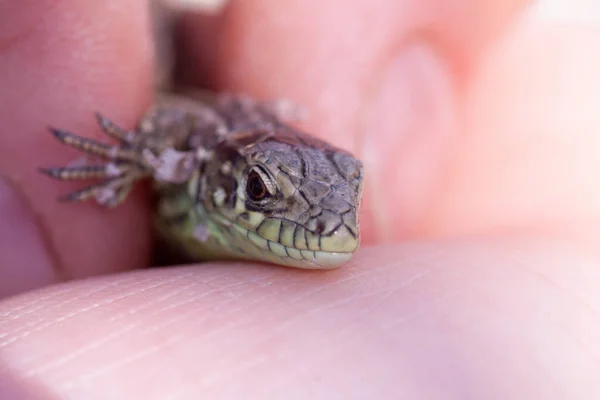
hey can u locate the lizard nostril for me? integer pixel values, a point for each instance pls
(320, 227)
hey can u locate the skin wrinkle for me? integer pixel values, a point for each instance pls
(385, 295)
(115, 334)
(395, 323)
(58, 305)
(568, 294)
(362, 272)
(113, 366)
(20, 333)
(328, 305)
(267, 299)
(239, 367)
(352, 297)
(249, 305)
(540, 275)
(245, 305)
(118, 364)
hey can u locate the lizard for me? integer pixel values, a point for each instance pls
(233, 180)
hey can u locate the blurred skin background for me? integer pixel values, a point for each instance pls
(479, 276)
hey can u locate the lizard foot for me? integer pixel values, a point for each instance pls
(125, 164)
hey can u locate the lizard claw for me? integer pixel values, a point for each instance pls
(125, 165)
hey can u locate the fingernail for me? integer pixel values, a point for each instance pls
(407, 128)
(25, 262)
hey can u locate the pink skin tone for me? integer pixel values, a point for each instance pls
(480, 271)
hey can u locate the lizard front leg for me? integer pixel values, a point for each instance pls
(156, 149)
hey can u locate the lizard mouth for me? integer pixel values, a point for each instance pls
(325, 252)
(294, 257)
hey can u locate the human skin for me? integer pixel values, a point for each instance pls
(479, 276)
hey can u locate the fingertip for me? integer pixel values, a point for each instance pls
(60, 62)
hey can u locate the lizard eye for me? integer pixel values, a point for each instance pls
(255, 186)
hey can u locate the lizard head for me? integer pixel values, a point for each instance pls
(281, 197)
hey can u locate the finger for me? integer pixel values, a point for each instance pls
(59, 63)
(529, 152)
(379, 78)
(484, 318)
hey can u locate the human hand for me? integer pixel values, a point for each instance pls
(479, 273)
